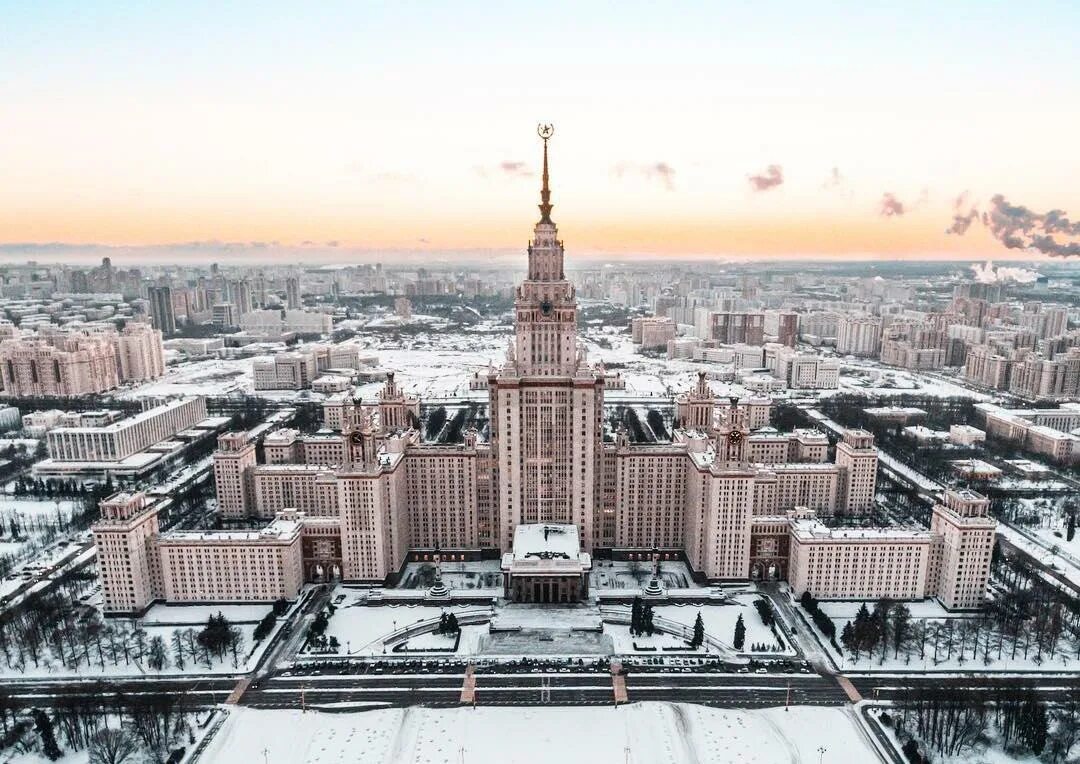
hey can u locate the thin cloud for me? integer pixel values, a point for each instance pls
(837, 183)
(771, 178)
(653, 171)
(891, 207)
(507, 168)
(963, 216)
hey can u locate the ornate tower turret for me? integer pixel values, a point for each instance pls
(546, 309)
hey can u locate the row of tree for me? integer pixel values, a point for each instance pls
(113, 728)
(951, 723)
(888, 625)
(819, 617)
(46, 629)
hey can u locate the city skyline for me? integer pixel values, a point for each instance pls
(732, 133)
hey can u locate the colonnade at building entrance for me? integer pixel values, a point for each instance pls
(546, 589)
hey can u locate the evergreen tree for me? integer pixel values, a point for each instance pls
(157, 659)
(847, 637)
(444, 620)
(901, 626)
(647, 619)
(318, 626)
(862, 632)
(1033, 725)
(452, 624)
(699, 632)
(44, 727)
(635, 617)
(1070, 529)
(740, 633)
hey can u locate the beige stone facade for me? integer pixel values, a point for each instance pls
(736, 498)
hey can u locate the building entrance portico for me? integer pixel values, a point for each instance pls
(546, 565)
(551, 589)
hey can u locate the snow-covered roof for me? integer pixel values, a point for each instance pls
(543, 539)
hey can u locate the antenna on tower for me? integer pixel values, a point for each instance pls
(545, 131)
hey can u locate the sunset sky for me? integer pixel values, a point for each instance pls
(412, 125)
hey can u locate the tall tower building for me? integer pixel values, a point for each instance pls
(292, 293)
(546, 400)
(233, 462)
(963, 539)
(857, 458)
(161, 309)
(126, 558)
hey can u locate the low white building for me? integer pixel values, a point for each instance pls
(966, 435)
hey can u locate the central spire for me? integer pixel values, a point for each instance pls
(545, 132)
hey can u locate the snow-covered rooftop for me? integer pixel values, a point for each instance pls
(546, 539)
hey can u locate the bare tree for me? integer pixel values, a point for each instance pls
(112, 746)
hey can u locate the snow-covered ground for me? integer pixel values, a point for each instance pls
(362, 630)
(720, 620)
(639, 733)
(374, 629)
(118, 653)
(1052, 528)
(969, 640)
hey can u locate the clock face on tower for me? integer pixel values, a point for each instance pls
(545, 307)
(734, 437)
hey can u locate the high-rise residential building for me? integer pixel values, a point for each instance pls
(730, 327)
(139, 352)
(59, 364)
(223, 315)
(161, 309)
(859, 335)
(292, 293)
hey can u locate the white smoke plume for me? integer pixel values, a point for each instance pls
(988, 274)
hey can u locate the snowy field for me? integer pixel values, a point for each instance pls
(639, 733)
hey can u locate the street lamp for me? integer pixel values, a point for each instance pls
(821, 753)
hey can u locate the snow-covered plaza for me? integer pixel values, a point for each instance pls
(640, 733)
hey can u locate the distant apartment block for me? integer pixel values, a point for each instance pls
(61, 362)
(289, 321)
(652, 333)
(858, 335)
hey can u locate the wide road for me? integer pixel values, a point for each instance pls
(193, 692)
(1062, 687)
(585, 688)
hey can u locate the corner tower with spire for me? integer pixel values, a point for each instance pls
(546, 399)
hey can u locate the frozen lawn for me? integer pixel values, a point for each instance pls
(642, 733)
(720, 620)
(361, 630)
